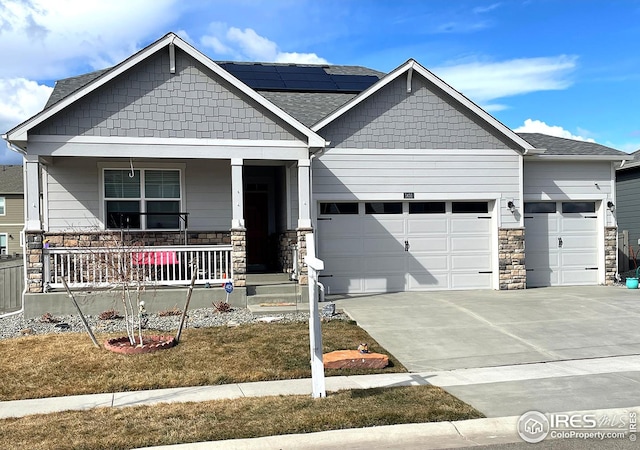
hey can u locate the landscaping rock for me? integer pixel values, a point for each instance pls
(353, 359)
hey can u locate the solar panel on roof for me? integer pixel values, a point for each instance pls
(297, 78)
(300, 69)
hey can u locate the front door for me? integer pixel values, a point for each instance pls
(257, 223)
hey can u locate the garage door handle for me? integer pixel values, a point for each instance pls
(406, 246)
(559, 242)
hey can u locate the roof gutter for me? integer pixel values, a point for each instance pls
(579, 157)
(12, 147)
(534, 151)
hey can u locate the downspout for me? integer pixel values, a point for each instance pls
(13, 148)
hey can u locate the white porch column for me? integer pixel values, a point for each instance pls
(237, 196)
(32, 194)
(304, 193)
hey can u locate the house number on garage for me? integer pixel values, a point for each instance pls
(409, 195)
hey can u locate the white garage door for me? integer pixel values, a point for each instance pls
(561, 243)
(399, 246)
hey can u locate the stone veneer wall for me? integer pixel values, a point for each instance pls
(286, 243)
(239, 256)
(513, 274)
(34, 257)
(610, 251)
(303, 272)
(147, 238)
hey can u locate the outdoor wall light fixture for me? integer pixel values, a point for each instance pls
(611, 206)
(511, 206)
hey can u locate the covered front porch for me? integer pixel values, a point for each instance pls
(215, 219)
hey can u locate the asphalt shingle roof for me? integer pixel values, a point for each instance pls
(310, 107)
(566, 147)
(11, 180)
(307, 107)
(68, 86)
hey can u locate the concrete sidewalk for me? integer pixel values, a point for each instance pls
(449, 379)
(493, 430)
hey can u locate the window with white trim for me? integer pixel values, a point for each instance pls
(3, 243)
(147, 199)
(3, 207)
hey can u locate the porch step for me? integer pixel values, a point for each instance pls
(261, 279)
(277, 294)
(258, 310)
(281, 288)
(272, 290)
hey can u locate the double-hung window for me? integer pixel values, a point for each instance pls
(142, 199)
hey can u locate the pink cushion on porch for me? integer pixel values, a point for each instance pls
(155, 258)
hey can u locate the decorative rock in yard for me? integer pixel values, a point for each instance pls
(353, 359)
(149, 344)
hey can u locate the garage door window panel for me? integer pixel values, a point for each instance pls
(469, 207)
(383, 208)
(540, 207)
(427, 208)
(328, 209)
(578, 207)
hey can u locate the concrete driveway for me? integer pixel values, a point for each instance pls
(585, 331)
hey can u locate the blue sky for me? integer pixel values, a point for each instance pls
(563, 67)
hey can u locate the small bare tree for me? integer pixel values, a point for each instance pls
(124, 265)
(116, 265)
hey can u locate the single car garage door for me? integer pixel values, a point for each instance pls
(399, 246)
(561, 243)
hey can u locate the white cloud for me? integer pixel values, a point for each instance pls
(19, 99)
(248, 45)
(537, 126)
(300, 58)
(486, 81)
(217, 46)
(485, 9)
(49, 40)
(494, 107)
(252, 44)
(628, 147)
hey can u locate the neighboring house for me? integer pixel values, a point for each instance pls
(11, 209)
(628, 212)
(407, 184)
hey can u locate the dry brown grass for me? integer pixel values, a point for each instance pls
(230, 419)
(68, 364)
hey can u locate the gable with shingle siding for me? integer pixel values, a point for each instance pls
(423, 118)
(148, 101)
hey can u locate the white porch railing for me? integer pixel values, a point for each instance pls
(102, 267)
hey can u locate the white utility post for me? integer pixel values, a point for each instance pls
(315, 334)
